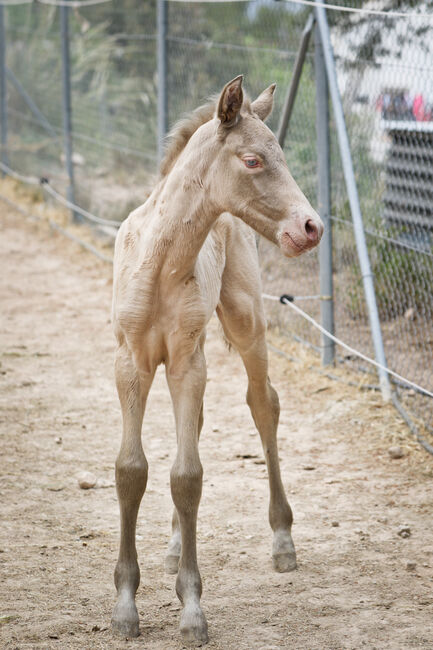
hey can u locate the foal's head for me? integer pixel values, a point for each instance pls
(249, 174)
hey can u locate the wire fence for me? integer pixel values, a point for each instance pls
(384, 66)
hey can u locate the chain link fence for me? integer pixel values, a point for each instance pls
(384, 71)
(384, 66)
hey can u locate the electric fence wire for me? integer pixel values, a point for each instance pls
(73, 206)
(312, 3)
(113, 146)
(73, 4)
(389, 13)
(85, 245)
(152, 157)
(30, 180)
(230, 46)
(14, 3)
(373, 387)
(33, 180)
(395, 401)
(285, 301)
(55, 226)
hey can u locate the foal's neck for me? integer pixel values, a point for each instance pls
(186, 213)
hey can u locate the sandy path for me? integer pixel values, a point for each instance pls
(58, 543)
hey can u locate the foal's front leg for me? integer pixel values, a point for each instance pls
(175, 543)
(187, 383)
(131, 479)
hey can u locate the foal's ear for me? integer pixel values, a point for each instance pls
(230, 102)
(262, 106)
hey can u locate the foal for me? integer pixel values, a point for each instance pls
(184, 253)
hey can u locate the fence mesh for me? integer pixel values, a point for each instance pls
(384, 73)
(385, 77)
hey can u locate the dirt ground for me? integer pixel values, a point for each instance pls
(358, 583)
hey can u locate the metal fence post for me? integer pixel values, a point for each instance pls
(3, 90)
(352, 191)
(294, 83)
(162, 75)
(324, 200)
(66, 105)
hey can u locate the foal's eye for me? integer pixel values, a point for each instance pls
(251, 163)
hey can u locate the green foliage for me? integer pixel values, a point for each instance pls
(114, 83)
(403, 279)
(402, 276)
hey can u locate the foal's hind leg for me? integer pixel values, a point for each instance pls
(175, 543)
(265, 409)
(242, 317)
(131, 479)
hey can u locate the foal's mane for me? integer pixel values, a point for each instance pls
(185, 128)
(182, 132)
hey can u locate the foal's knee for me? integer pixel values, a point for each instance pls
(186, 484)
(131, 476)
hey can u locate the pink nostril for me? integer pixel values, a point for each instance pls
(312, 230)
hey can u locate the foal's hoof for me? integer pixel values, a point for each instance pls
(284, 562)
(193, 626)
(283, 552)
(125, 619)
(171, 564)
